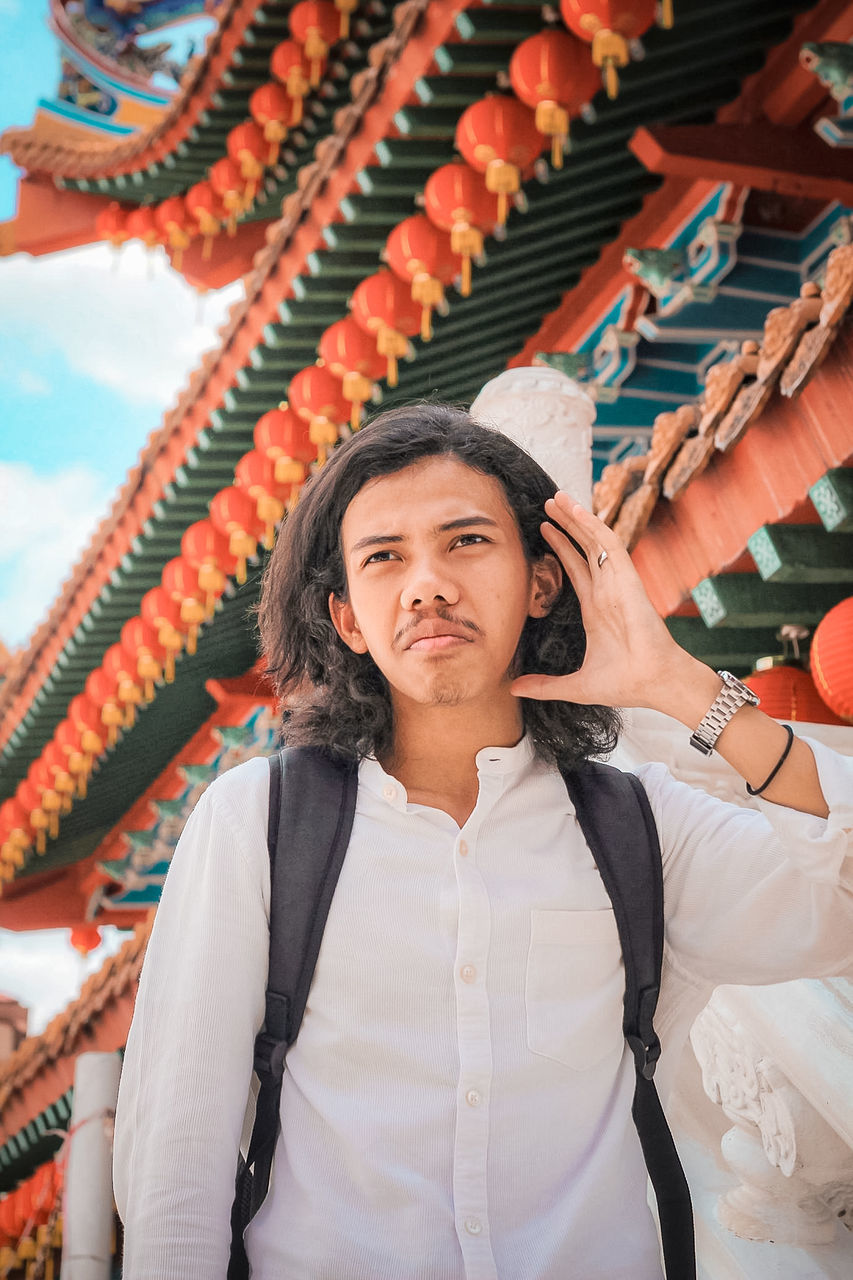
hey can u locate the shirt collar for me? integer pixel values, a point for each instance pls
(492, 762)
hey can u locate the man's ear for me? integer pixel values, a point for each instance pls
(545, 584)
(343, 620)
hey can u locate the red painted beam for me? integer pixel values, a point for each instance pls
(48, 220)
(793, 162)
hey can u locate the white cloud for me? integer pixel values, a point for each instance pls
(45, 522)
(124, 319)
(42, 971)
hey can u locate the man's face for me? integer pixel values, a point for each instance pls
(438, 585)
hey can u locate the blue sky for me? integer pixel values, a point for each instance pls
(94, 347)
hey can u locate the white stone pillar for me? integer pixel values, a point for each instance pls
(549, 416)
(87, 1209)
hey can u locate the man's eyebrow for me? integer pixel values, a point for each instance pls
(382, 539)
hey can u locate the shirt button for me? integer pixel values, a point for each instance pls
(463, 848)
(473, 1226)
(473, 1098)
(468, 973)
(389, 792)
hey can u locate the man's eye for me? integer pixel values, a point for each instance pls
(378, 557)
(469, 539)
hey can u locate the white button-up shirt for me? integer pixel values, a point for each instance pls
(457, 1105)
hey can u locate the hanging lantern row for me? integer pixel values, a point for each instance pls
(232, 182)
(287, 441)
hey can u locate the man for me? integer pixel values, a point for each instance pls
(457, 1104)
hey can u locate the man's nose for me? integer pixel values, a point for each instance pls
(428, 583)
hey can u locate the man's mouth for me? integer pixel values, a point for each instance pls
(438, 633)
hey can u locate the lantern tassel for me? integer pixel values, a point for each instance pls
(41, 841)
(129, 715)
(466, 275)
(611, 79)
(53, 824)
(355, 415)
(426, 324)
(170, 666)
(666, 14)
(296, 115)
(557, 144)
(149, 689)
(207, 248)
(81, 785)
(112, 735)
(241, 570)
(192, 639)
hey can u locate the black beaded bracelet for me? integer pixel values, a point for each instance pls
(756, 791)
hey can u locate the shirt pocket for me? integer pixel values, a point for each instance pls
(574, 987)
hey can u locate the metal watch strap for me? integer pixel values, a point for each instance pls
(733, 695)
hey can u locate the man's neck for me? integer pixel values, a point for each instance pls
(435, 750)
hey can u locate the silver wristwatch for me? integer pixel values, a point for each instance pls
(733, 695)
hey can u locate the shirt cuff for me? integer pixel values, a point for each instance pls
(823, 845)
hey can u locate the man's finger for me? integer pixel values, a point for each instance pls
(547, 688)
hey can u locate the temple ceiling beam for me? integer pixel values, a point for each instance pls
(790, 161)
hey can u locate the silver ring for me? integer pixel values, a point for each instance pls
(602, 557)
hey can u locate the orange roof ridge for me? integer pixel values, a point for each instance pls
(42, 1066)
(307, 212)
(201, 79)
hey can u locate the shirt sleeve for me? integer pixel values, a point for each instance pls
(188, 1063)
(756, 895)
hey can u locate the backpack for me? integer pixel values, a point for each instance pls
(317, 793)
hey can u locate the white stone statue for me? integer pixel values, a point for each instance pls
(549, 416)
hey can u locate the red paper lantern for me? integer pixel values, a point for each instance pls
(420, 254)
(255, 473)
(831, 659)
(317, 397)
(208, 211)
(350, 354)
(110, 224)
(159, 609)
(788, 692)
(608, 25)
(206, 548)
(56, 763)
(284, 437)
(120, 665)
(456, 201)
(247, 146)
(140, 224)
(233, 512)
(554, 73)
(290, 66)
(226, 179)
(50, 800)
(383, 305)
(16, 833)
(85, 938)
(180, 581)
(175, 226)
(29, 797)
(271, 109)
(498, 137)
(101, 688)
(85, 716)
(316, 25)
(69, 738)
(140, 639)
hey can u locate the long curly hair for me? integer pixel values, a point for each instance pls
(340, 700)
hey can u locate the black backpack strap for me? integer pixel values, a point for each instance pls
(615, 816)
(311, 811)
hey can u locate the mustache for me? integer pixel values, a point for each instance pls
(445, 614)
